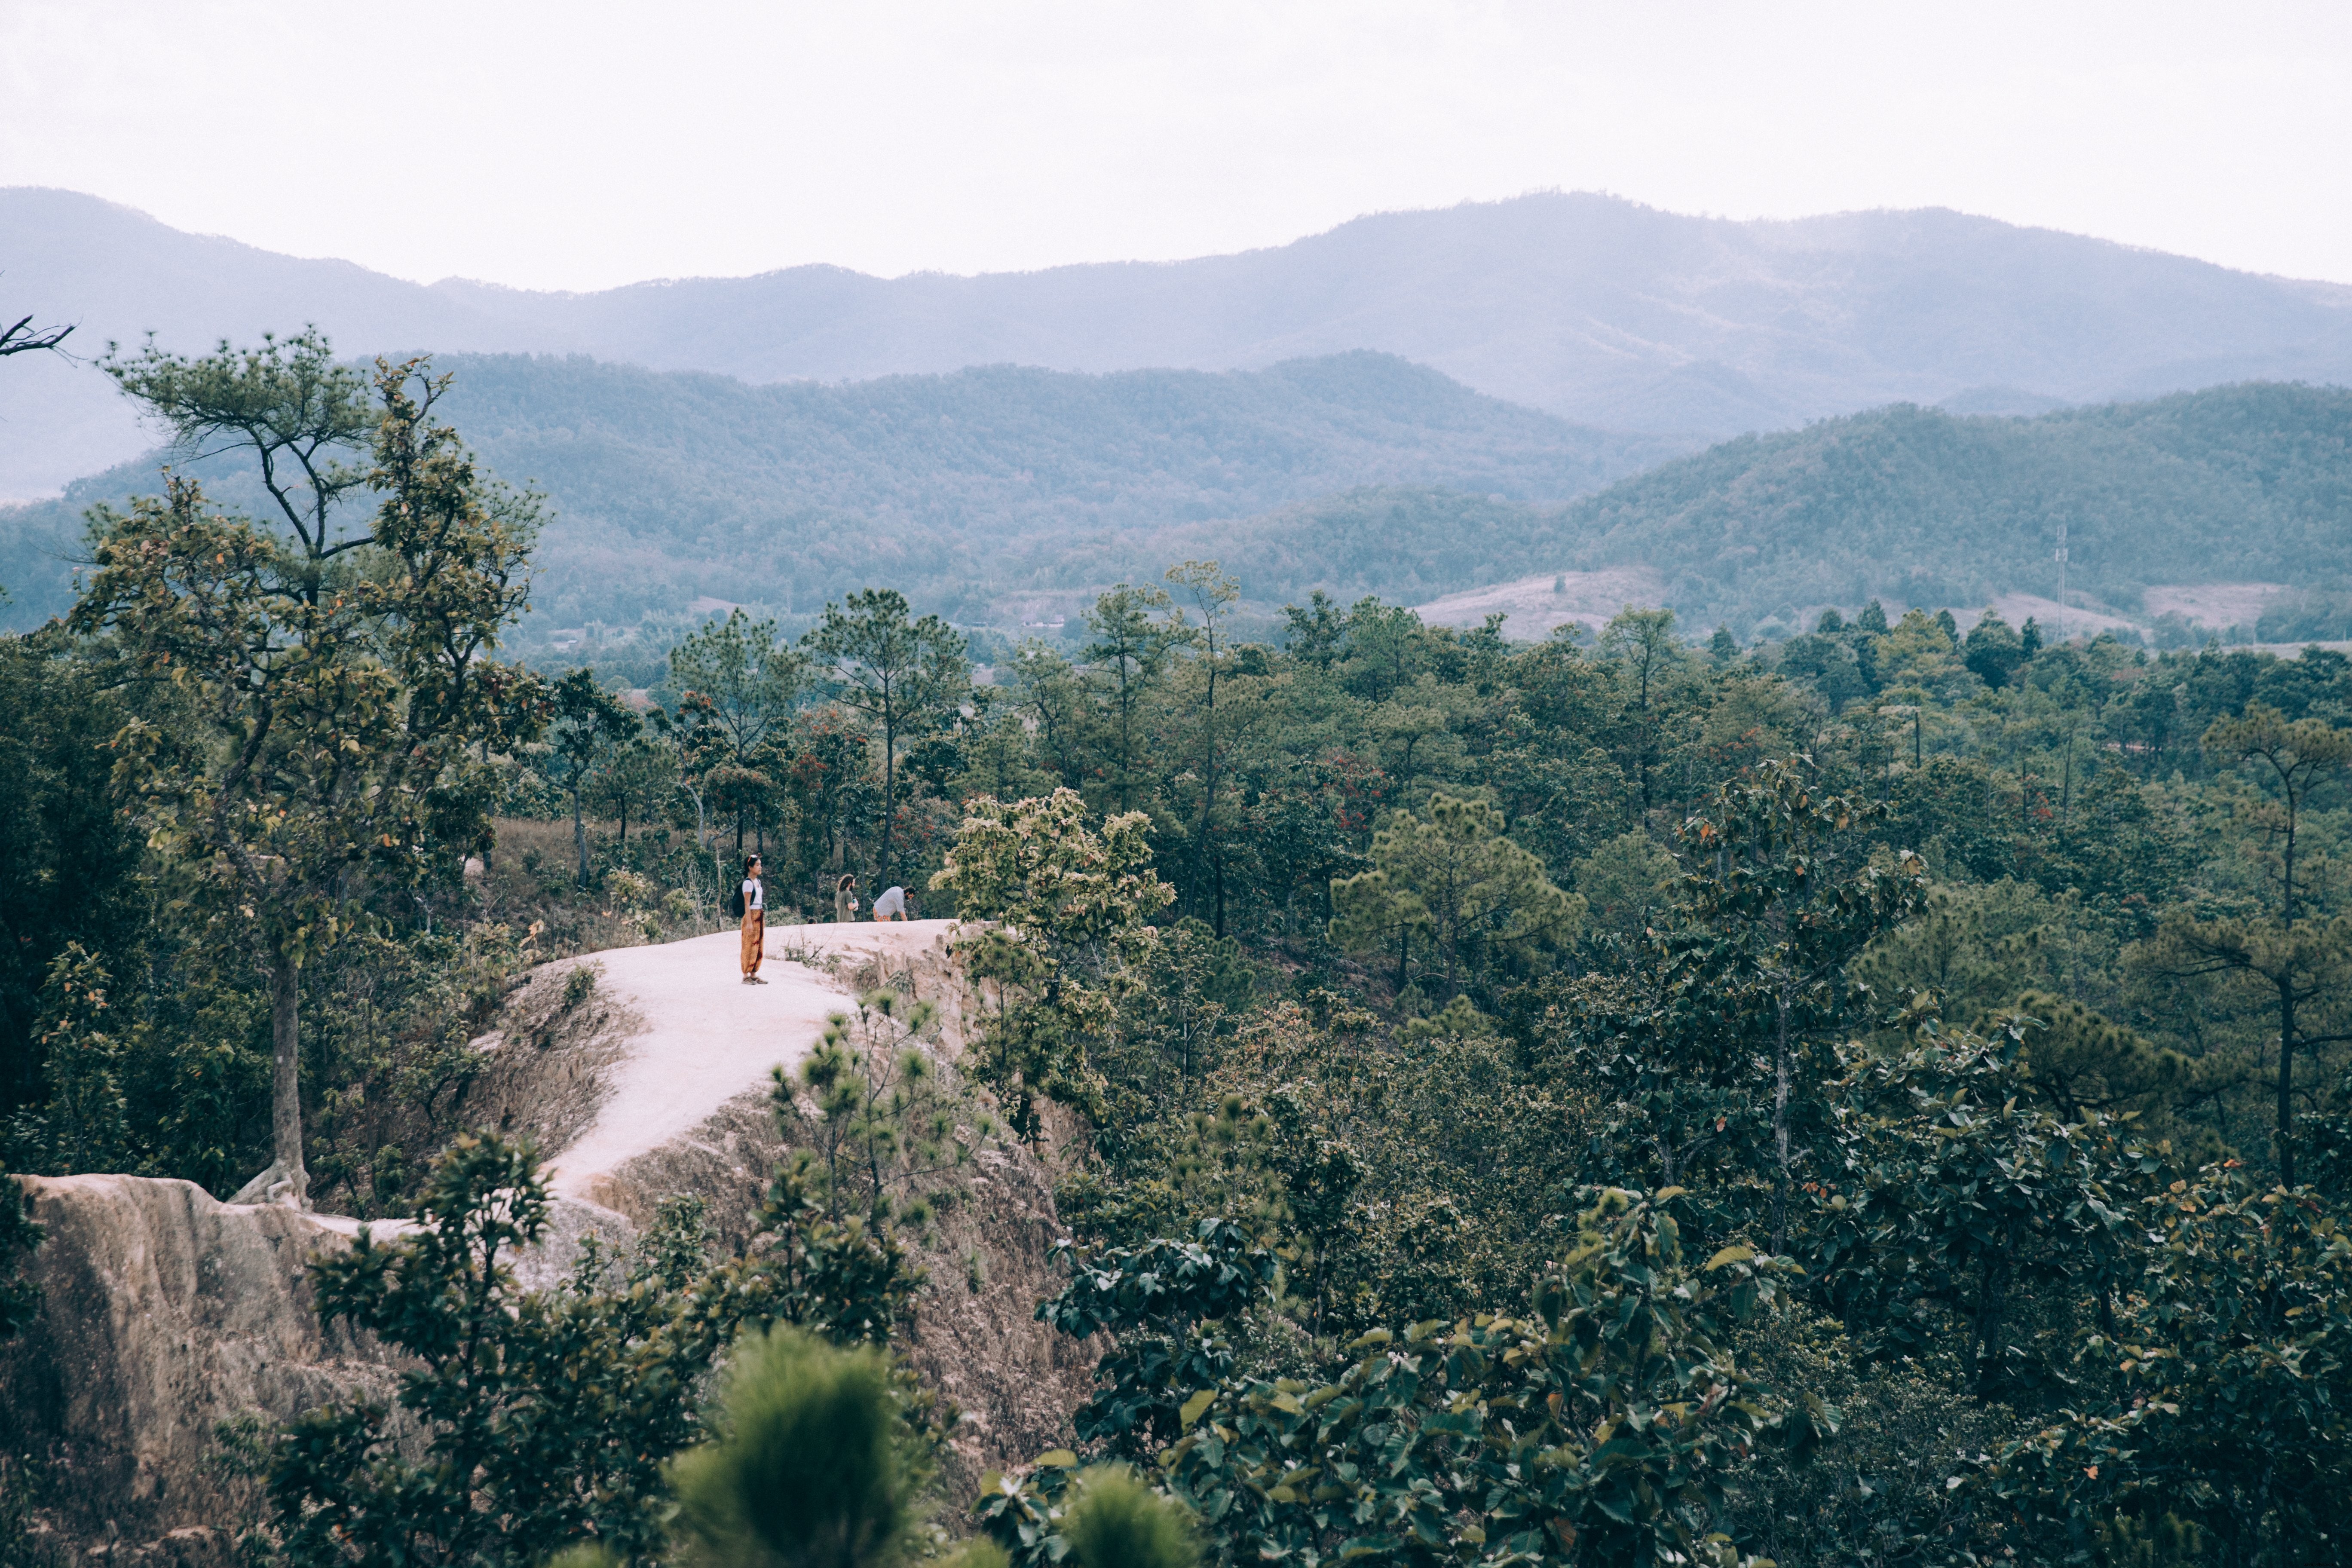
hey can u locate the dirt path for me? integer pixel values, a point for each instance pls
(708, 1038)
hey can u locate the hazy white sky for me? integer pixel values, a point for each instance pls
(586, 143)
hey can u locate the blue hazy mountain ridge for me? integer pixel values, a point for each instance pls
(961, 489)
(1598, 309)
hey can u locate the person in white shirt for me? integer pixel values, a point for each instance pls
(891, 905)
(755, 922)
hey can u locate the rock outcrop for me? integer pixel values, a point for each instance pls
(166, 1314)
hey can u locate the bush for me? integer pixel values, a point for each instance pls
(818, 1467)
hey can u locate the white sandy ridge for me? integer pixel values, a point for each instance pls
(707, 1036)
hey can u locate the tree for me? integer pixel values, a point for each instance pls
(1067, 907)
(2300, 960)
(1129, 652)
(742, 682)
(1212, 594)
(885, 1112)
(587, 726)
(1777, 906)
(534, 1419)
(1643, 644)
(2225, 1379)
(638, 779)
(1993, 651)
(1596, 1430)
(905, 676)
(815, 1465)
(300, 412)
(330, 712)
(1457, 875)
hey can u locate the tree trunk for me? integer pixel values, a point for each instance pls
(2286, 1077)
(889, 802)
(1780, 1127)
(580, 837)
(1989, 1311)
(285, 1180)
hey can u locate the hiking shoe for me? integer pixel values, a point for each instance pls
(753, 980)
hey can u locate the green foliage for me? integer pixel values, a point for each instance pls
(86, 1126)
(815, 1465)
(586, 728)
(20, 1298)
(2224, 1379)
(1117, 1521)
(890, 1118)
(539, 1417)
(543, 1416)
(1068, 905)
(1481, 898)
(1956, 1193)
(906, 676)
(1597, 1429)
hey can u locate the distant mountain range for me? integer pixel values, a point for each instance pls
(1597, 310)
(975, 492)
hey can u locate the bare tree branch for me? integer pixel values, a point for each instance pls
(23, 338)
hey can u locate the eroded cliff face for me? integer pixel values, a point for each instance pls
(163, 1313)
(166, 1314)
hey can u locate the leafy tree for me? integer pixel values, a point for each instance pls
(742, 682)
(2302, 961)
(2229, 1377)
(1993, 650)
(86, 1126)
(587, 727)
(1212, 595)
(1955, 1191)
(69, 859)
(1777, 909)
(1132, 639)
(538, 1418)
(329, 719)
(1600, 1428)
(1068, 906)
(904, 675)
(301, 412)
(1456, 874)
(1642, 643)
(639, 778)
(888, 1118)
(1625, 880)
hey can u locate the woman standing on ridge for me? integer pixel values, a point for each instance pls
(845, 900)
(753, 900)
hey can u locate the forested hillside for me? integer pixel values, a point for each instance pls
(967, 489)
(2247, 482)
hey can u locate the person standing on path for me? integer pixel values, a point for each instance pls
(891, 905)
(844, 900)
(755, 922)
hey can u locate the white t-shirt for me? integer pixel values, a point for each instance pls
(752, 899)
(893, 901)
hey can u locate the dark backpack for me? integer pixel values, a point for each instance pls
(735, 901)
